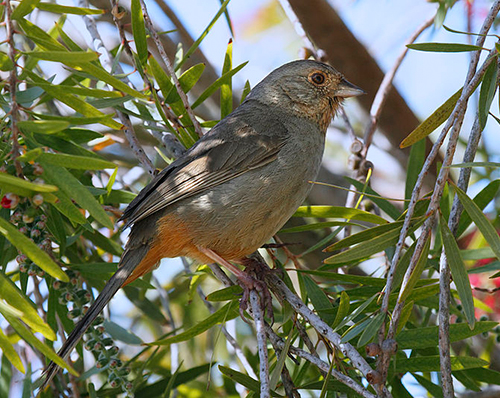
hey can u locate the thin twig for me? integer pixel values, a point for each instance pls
(372, 376)
(258, 317)
(164, 144)
(288, 385)
(14, 107)
(171, 71)
(229, 337)
(444, 279)
(454, 123)
(98, 45)
(320, 364)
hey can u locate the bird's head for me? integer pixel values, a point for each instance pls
(306, 88)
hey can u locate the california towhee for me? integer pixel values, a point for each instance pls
(236, 187)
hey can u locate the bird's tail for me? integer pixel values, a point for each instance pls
(128, 262)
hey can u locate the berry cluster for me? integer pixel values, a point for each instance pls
(96, 340)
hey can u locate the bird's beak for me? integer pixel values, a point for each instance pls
(346, 90)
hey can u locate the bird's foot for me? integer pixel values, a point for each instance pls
(253, 278)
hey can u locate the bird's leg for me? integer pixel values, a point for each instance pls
(245, 280)
(256, 269)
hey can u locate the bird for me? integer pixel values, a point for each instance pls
(235, 187)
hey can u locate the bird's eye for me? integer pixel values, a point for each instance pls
(317, 78)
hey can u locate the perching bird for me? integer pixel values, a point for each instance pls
(236, 187)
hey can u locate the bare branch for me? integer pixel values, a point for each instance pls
(171, 71)
(14, 107)
(98, 45)
(454, 124)
(258, 317)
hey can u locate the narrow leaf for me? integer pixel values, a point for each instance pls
(30, 338)
(24, 8)
(226, 90)
(431, 364)
(8, 350)
(432, 122)
(458, 271)
(64, 56)
(76, 162)
(444, 47)
(59, 9)
(139, 31)
(224, 314)
(13, 296)
(483, 224)
(62, 178)
(371, 329)
(338, 212)
(487, 92)
(415, 339)
(35, 254)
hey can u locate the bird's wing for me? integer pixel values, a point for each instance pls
(217, 161)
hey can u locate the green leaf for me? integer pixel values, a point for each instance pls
(121, 334)
(376, 198)
(23, 187)
(487, 92)
(371, 329)
(156, 389)
(243, 379)
(356, 312)
(73, 102)
(432, 122)
(444, 47)
(6, 63)
(226, 90)
(317, 225)
(417, 272)
(343, 309)
(216, 85)
(64, 56)
(319, 300)
(8, 350)
(405, 315)
(425, 337)
(39, 36)
(30, 338)
(488, 376)
(482, 223)
(66, 207)
(355, 330)
(485, 196)
(30, 249)
(432, 388)
(187, 80)
(24, 8)
(371, 246)
(43, 126)
(198, 41)
(346, 278)
(431, 364)
(228, 293)
(458, 271)
(59, 9)
(76, 162)
(338, 212)
(105, 243)
(224, 314)
(365, 235)
(139, 31)
(14, 297)
(62, 178)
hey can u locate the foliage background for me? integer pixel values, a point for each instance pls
(65, 139)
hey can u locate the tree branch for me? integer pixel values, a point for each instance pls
(171, 71)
